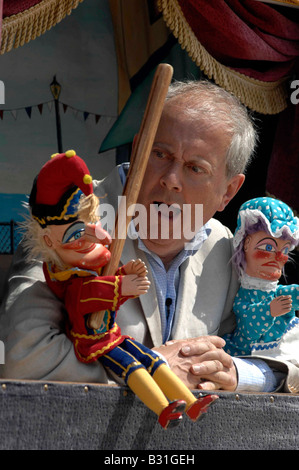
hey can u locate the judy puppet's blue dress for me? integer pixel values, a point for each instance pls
(255, 323)
(257, 332)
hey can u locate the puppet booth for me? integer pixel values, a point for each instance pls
(78, 74)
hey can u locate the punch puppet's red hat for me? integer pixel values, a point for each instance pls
(57, 188)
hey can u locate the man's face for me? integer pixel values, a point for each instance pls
(265, 255)
(186, 166)
(74, 248)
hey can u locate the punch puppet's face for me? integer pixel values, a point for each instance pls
(77, 248)
(265, 255)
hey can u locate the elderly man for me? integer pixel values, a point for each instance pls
(201, 149)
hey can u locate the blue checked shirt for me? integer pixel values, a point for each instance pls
(167, 282)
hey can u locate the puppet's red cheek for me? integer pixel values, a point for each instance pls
(75, 245)
(258, 254)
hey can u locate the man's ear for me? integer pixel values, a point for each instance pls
(233, 186)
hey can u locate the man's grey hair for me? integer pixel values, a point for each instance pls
(204, 100)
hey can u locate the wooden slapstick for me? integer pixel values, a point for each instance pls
(139, 160)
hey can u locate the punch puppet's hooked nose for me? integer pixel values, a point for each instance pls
(96, 234)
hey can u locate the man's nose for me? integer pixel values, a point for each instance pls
(172, 178)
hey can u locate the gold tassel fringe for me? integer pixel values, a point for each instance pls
(19, 29)
(263, 97)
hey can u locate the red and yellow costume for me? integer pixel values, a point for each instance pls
(54, 202)
(84, 292)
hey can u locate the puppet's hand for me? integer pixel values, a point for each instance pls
(136, 267)
(281, 305)
(134, 285)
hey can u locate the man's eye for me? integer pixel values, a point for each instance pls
(196, 169)
(159, 154)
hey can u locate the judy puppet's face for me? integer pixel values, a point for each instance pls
(265, 255)
(75, 247)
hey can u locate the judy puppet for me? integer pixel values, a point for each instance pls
(63, 229)
(267, 231)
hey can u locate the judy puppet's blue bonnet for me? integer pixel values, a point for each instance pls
(268, 214)
(260, 330)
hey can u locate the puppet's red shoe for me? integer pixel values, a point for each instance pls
(172, 415)
(201, 406)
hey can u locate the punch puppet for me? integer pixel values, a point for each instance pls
(64, 229)
(267, 231)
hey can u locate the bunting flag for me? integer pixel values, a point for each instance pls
(83, 115)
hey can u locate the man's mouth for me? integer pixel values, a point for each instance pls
(169, 210)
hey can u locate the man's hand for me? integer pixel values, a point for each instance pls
(201, 363)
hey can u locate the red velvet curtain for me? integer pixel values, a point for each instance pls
(249, 36)
(13, 7)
